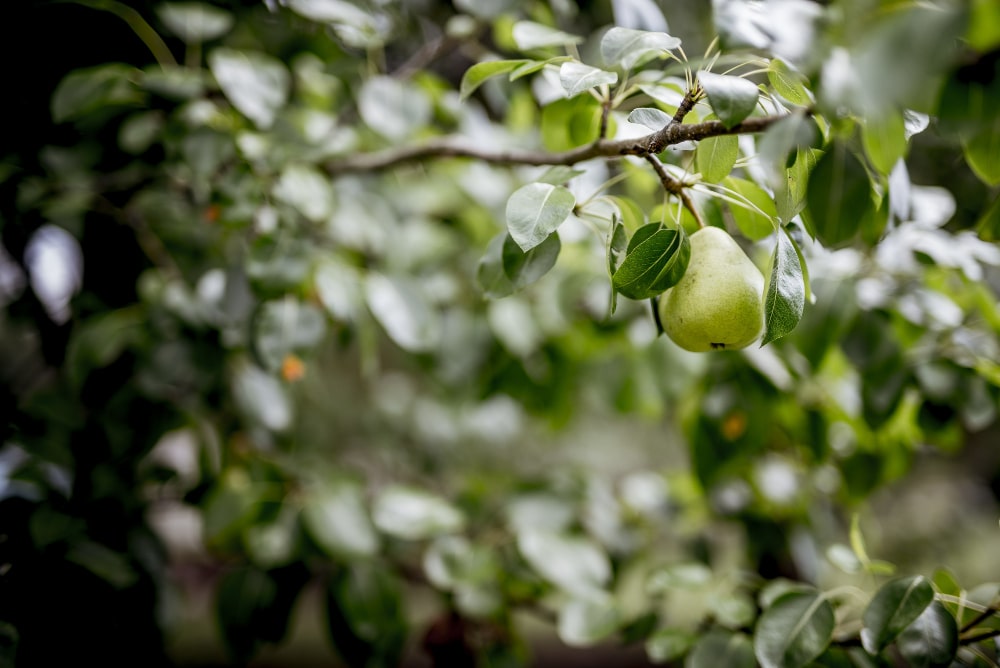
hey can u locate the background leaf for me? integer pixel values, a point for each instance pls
(884, 139)
(583, 622)
(576, 77)
(732, 98)
(476, 75)
(625, 47)
(720, 648)
(529, 35)
(257, 84)
(839, 196)
(786, 290)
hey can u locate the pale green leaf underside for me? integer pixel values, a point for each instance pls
(535, 211)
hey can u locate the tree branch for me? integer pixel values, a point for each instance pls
(447, 147)
(674, 187)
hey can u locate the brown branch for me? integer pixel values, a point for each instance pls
(447, 147)
(691, 98)
(980, 618)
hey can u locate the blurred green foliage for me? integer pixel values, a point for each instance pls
(249, 343)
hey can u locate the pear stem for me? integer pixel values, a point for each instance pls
(675, 187)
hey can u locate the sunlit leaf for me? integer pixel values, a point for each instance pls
(896, 605)
(652, 118)
(481, 72)
(626, 47)
(394, 108)
(558, 175)
(529, 35)
(788, 83)
(413, 514)
(732, 98)
(752, 208)
(576, 564)
(255, 83)
(195, 21)
(786, 291)
(796, 629)
(576, 77)
(535, 211)
(716, 156)
(337, 520)
(403, 312)
(583, 622)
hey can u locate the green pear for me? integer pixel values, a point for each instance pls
(718, 303)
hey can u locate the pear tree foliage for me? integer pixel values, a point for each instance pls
(371, 294)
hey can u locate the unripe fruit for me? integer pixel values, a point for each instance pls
(718, 303)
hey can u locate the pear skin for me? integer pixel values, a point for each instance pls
(718, 303)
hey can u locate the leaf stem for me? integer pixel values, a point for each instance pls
(139, 26)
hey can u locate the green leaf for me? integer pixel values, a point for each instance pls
(652, 118)
(413, 514)
(753, 209)
(576, 77)
(583, 622)
(894, 607)
(558, 175)
(571, 122)
(617, 245)
(394, 108)
(524, 268)
(931, 639)
(790, 193)
(366, 619)
(480, 72)
(194, 22)
(242, 595)
(784, 140)
(988, 226)
(720, 648)
(839, 196)
(575, 564)
(626, 47)
(690, 575)
(786, 290)
(796, 629)
(490, 272)
(982, 152)
(337, 520)
(535, 211)
(403, 313)
(529, 35)
(716, 156)
(884, 139)
(788, 83)
(632, 215)
(652, 265)
(667, 645)
(732, 98)
(88, 91)
(255, 83)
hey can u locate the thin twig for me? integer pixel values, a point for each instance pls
(674, 187)
(982, 616)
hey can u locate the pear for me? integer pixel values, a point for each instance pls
(718, 303)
